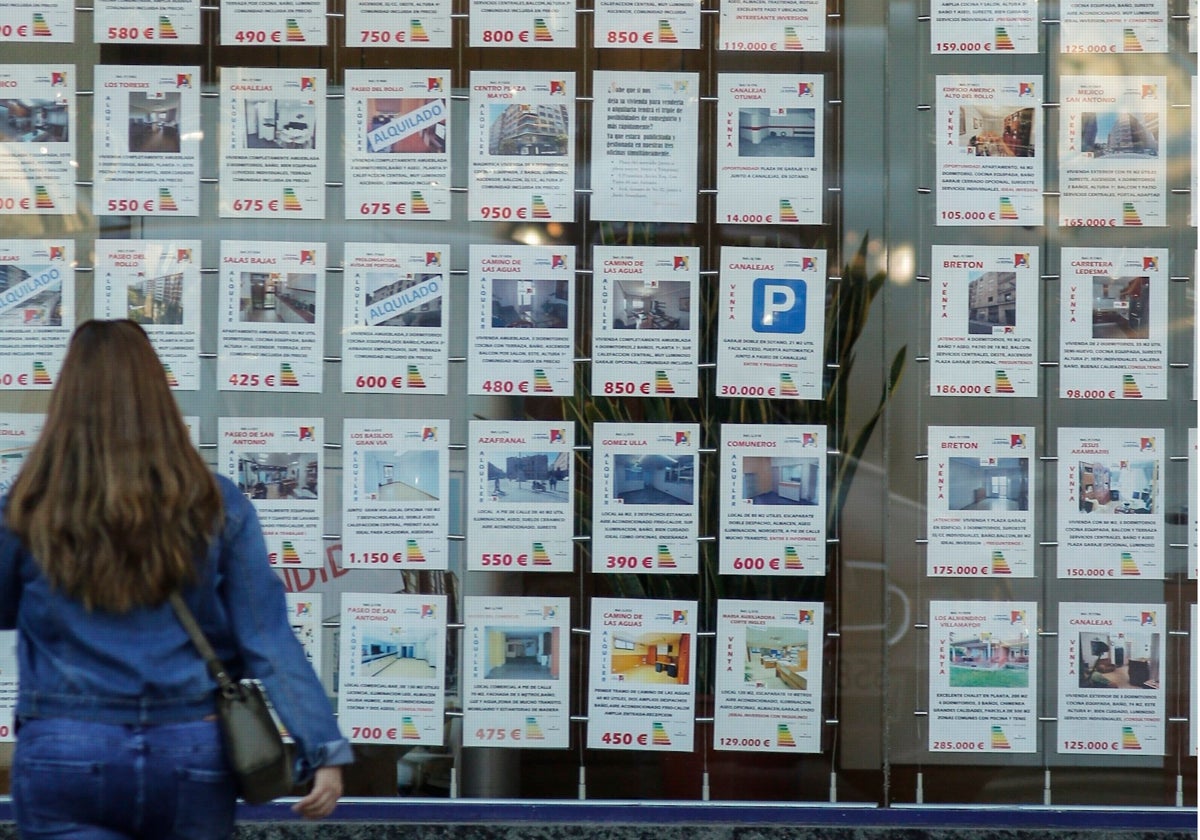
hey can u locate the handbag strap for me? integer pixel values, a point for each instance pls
(215, 667)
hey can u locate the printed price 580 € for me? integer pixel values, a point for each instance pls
(620, 739)
(376, 557)
(504, 559)
(372, 733)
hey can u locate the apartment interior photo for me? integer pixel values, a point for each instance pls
(1127, 487)
(33, 121)
(154, 123)
(1120, 660)
(654, 479)
(399, 653)
(530, 303)
(521, 653)
(995, 484)
(651, 305)
(280, 124)
(1121, 307)
(278, 475)
(781, 481)
(400, 476)
(776, 657)
(661, 658)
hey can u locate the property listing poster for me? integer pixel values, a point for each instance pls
(644, 146)
(37, 21)
(770, 149)
(666, 25)
(983, 676)
(645, 335)
(147, 141)
(1193, 493)
(422, 23)
(166, 22)
(1110, 503)
(516, 672)
(1101, 26)
(522, 320)
(1103, 647)
(397, 137)
(18, 434)
(272, 316)
(771, 316)
(980, 493)
(1194, 644)
(261, 22)
(987, 28)
(765, 26)
(645, 515)
(519, 505)
(272, 140)
(8, 684)
(392, 668)
(990, 163)
(522, 23)
(641, 684)
(157, 284)
(522, 139)
(1113, 324)
(1110, 171)
(37, 140)
(984, 321)
(37, 311)
(395, 318)
(395, 494)
(305, 615)
(276, 462)
(773, 499)
(769, 676)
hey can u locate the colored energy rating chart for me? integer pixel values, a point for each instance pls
(522, 23)
(769, 679)
(395, 318)
(157, 284)
(1114, 653)
(641, 675)
(981, 497)
(983, 668)
(398, 23)
(516, 672)
(757, 26)
(1110, 504)
(38, 147)
(40, 21)
(992, 28)
(165, 22)
(773, 499)
(983, 318)
(395, 494)
(1097, 26)
(392, 669)
(37, 311)
(277, 463)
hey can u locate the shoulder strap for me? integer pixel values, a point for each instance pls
(215, 668)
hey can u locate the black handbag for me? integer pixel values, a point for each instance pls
(254, 747)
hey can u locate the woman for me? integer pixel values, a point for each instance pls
(112, 512)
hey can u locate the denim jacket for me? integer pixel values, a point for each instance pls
(141, 668)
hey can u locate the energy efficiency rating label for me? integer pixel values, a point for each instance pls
(1101, 26)
(395, 494)
(157, 284)
(522, 320)
(1110, 503)
(645, 329)
(398, 23)
(522, 23)
(18, 434)
(37, 140)
(983, 316)
(305, 614)
(276, 462)
(522, 147)
(641, 667)
(1113, 324)
(38, 21)
(37, 311)
(519, 503)
(773, 499)
(264, 22)
(665, 25)
(1102, 647)
(980, 501)
(397, 137)
(645, 515)
(983, 676)
(272, 316)
(516, 672)
(770, 149)
(773, 26)
(272, 143)
(769, 676)
(165, 22)
(983, 28)
(395, 318)
(1111, 171)
(771, 315)
(990, 161)
(392, 669)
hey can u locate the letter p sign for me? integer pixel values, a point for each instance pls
(779, 306)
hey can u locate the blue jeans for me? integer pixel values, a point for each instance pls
(94, 781)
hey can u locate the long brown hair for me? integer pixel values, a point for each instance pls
(114, 501)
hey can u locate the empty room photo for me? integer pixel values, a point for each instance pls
(410, 476)
(776, 657)
(989, 484)
(521, 653)
(399, 653)
(781, 481)
(654, 479)
(651, 658)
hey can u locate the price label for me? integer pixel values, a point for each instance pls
(257, 36)
(495, 211)
(963, 46)
(1090, 222)
(618, 37)
(961, 746)
(624, 739)
(1090, 573)
(373, 733)
(755, 563)
(623, 561)
(497, 734)
(7, 30)
(505, 386)
(626, 387)
(503, 560)
(382, 36)
(750, 46)
(9, 379)
(251, 380)
(376, 557)
(254, 205)
(960, 570)
(130, 205)
(748, 390)
(745, 742)
(129, 33)
(378, 382)
(504, 36)
(968, 215)
(1086, 394)
(749, 218)
(1090, 48)
(1091, 746)
(962, 389)
(383, 208)
(14, 203)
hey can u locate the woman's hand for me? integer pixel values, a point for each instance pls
(326, 790)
